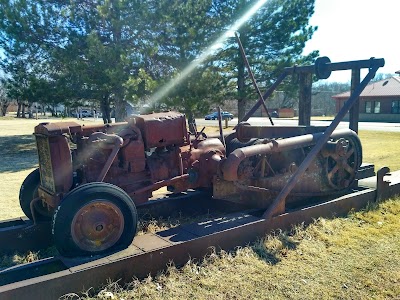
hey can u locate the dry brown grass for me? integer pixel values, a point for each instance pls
(18, 158)
(356, 257)
(381, 148)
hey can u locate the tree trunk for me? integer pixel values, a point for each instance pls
(120, 110)
(105, 109)
(4, 107)
(30, 112)
(23, 110)
(191, 121)
(19, 109)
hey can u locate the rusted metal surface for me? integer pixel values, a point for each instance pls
(116, 153)
(373, 67)
(305, 82)
(245, 132)
(54, 163)
(97, 225)
(150, 253)
(366, 170)
(343, 160)
(163, 129)
(230, 166)
(381, 184)
(354, 113)
(22, 235)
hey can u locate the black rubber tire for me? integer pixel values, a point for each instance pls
(28, 192)
(78, 199)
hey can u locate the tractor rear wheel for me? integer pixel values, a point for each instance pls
(28, 192)
(95, 218)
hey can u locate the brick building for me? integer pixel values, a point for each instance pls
(380, 101)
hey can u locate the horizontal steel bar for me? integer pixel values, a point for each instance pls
(339, 66)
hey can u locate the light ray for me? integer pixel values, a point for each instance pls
(206, 53)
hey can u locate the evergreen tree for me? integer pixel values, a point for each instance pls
(273, 38)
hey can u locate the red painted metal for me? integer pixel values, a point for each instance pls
(163, 129)
(140, 156)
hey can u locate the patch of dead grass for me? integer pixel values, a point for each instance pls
(346, 258)
(7, 261)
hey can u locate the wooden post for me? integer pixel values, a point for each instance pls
(305, 82)
(355, 110)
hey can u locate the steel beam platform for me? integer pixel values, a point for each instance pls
(22, 235)
(53, 277)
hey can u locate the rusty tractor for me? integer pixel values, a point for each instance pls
(91, 178)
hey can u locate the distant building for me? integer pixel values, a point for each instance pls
(380, 101)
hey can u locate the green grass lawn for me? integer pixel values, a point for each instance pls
(356, 257)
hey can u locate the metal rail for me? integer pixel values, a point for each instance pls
(22, 235)
(150, 253)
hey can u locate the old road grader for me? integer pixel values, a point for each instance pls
(94, 181)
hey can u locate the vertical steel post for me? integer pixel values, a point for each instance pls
(355, 109)
(305, 82)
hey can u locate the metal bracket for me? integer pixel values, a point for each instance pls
(381, 185)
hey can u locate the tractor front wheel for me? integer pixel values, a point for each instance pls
(28, 192)
(95, 218)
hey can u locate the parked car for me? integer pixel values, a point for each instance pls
(85, 113)
(214, 116)
(275, 114)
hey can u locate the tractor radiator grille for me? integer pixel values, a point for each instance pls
(45, 165)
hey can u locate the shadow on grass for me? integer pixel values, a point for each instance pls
(274, 248)
(17, 153)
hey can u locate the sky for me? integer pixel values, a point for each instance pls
(356, 30)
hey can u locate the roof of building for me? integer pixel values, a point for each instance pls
(386, 87)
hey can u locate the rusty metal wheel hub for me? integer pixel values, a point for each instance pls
(341, 164)
(97, 226)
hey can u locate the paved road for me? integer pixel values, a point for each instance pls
(375, 126)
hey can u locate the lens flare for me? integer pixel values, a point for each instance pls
(206, 53)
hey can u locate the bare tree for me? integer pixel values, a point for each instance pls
(4, 101)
